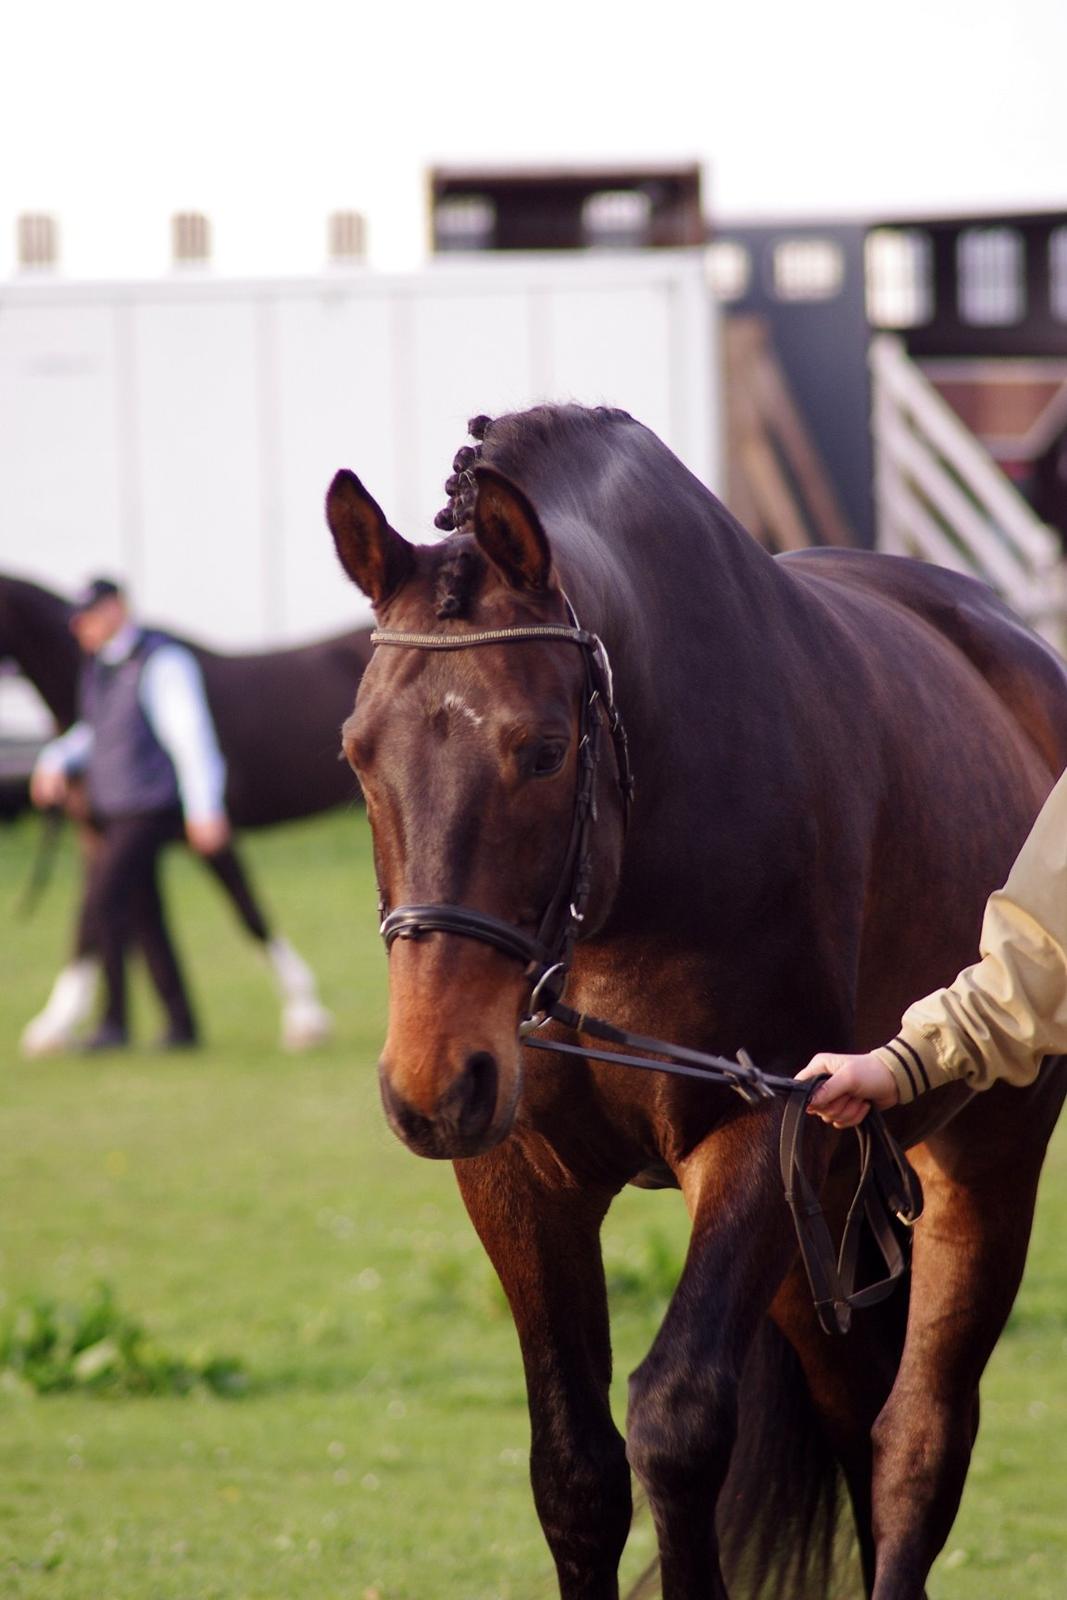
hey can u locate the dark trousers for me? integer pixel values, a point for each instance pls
(123, 904)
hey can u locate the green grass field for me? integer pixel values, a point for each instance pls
(250, 1206)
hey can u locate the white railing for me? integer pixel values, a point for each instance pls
(940, 496)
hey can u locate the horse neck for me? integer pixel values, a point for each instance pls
(699, 640)
(686, 615)
(649, 556)
(37, 637)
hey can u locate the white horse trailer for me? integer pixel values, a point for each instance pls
(183, 432)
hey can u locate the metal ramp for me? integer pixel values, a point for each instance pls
(777, 484)
(939, 496)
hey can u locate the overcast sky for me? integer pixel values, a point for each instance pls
(267, 116)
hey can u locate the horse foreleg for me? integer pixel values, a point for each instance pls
(542, 1233)
(305, 1020)
(683, 1412)
(70, 1000)
(980, 1182)
(69, 1005)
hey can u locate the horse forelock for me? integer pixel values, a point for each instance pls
(456, 582)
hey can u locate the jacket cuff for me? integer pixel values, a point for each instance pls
(912, 1060)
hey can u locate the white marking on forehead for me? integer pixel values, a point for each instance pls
(456, 702)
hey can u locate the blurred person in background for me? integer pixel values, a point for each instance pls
(146, 745)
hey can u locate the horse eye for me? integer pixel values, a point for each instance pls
(548, 758)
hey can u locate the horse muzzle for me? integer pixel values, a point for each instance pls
(468, 1118)
(449, 1074)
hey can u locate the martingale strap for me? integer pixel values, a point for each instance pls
(887, 1186)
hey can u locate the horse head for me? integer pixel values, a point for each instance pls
(473, 754)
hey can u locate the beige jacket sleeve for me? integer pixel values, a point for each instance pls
(1004, 1014)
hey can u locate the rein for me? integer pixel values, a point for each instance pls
(886, 1184)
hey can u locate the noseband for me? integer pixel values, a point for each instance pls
(546, 954)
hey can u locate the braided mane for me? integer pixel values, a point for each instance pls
(513, 441)
(457, 516)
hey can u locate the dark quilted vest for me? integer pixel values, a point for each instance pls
(129, 770)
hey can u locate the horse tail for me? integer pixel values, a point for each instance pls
(780, 1512)
(779, 1520)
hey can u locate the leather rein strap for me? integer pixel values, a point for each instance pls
(886, 1184)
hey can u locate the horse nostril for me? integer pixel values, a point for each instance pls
(461, 1118)
(476, 1100)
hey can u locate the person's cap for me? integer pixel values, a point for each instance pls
(95, 590)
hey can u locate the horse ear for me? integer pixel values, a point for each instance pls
(509, 531)
(373, 554)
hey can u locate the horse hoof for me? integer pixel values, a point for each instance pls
(305, 1024)
(41, 1038)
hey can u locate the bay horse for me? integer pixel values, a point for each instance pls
(837, 755)
(277, 714)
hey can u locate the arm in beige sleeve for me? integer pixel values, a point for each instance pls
(1005, 1013)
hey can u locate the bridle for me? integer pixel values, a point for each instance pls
(887, 1183)
(547, 953)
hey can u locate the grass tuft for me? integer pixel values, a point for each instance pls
(48, 1346)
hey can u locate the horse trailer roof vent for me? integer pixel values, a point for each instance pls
(807, 269)
(346, 237)
(899, 265)
(992, 276)
(465, 222)
(38, 242)
(728, 268)
(1057, 272)
(616, 219)
(190, 233)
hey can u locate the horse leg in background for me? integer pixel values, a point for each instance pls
(67, 1009)
(979, 1178)
(70, 1000)
(305, 1020)
(542, 1234)
(684, 1397)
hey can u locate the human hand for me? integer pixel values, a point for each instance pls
(48, 787)
(206, 835)
(855, 1084)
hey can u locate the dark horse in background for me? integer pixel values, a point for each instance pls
(277, 716)
(837, 756)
